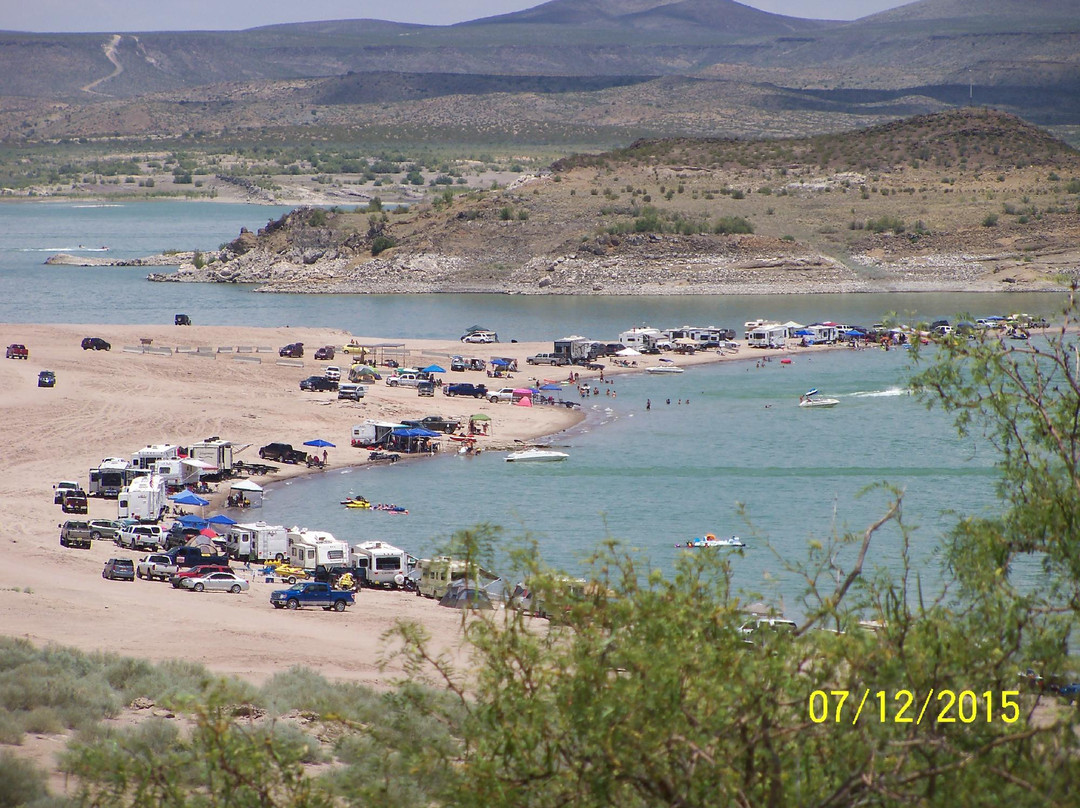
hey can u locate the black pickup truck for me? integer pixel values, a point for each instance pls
(283, 453)
(465, 389)
(436, 423)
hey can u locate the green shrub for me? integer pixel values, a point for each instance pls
(21, 783)
(886, 224)
(731, 225)
(382, 243)
(990, 220)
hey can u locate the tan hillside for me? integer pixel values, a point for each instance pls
(967, 200)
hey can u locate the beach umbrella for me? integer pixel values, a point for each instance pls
(434, 369)
(479, 417)
(320, 443)
(210, 534)
(186, 497)
(220, 519)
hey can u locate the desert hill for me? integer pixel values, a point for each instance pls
(968, 200)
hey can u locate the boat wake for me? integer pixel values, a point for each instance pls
(892, 392)
(80, 248)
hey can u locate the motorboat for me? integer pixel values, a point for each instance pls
(663, 369)
(811, 399)
(356, 502)
(536, 456)
(709, 540)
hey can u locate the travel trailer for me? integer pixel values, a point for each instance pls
(177, 473)
(309, 549)
(382, 563)
(144, 499)
(436, 575)
(146, 457)
(216, 453)
(257, 541)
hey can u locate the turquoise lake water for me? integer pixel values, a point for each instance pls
(651, 478)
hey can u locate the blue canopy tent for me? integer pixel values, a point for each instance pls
(186, 497)
(320, 443)
(854, 334)
(220, 519)
(804, 332)
(433, 369)
(412, 439)
(551, 386)
(192, 521)
(415, 432)
(499, 362)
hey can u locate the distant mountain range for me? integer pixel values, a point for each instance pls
(1022, 55)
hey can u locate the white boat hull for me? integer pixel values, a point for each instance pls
(536, 456)
(819, 402)
(662, 369)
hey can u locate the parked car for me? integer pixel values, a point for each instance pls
(293, 349)
(333, 372)
(199, 571)
(547, 359)
(95, 344)
(17, 351)
(75, 534)
(119, 569)
(457, 363)
(465, 389)
(140, 537)
(435, 423)
(74, 502)
(405, 379)
(282, 452)
(325, 352)
(312, 593)
(104, 529)
(425, 388)
(353, 348)
(181, 319)
(352, 391)
(46, 379)
(215, 582)
(480, 337)
(154, 566)
(318, 384)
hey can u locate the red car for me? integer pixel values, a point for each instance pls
(197, 572)
(17, 351)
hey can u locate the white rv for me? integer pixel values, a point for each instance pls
(146, 457)
(144, 499)
(309, 549)
(216, 453)
(382, 562)
(111, 475)
(767, 336)
(177, 473)
(257, 541)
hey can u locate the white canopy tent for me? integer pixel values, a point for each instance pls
(250, 491)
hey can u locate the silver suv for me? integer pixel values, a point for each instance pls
(546, 359)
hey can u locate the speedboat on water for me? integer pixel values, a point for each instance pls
(811, 399)
(709, 540)
(536, 456)
(663, 369)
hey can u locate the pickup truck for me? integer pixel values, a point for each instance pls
(435, 423)
(465, 389)
(17, 351)
(283, 453)
(403, 380)
(140, 537)
(156, 565)
(75, 534)
(504, 394)
(312, 593)
(74, 502)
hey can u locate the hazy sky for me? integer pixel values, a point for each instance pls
(187, 15)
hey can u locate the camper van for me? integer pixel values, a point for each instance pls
(309, 549)
(257, 541)
(372, 433)
(111, 475)
(144, 499)
(382, 563)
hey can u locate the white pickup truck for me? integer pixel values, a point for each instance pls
(156, 565)
(140, 537)
(505, 394)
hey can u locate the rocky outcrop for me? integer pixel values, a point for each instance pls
(169, 260)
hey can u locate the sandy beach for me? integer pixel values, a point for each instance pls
(110, 404)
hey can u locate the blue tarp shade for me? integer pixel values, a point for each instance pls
(434, 369)
(854, 333)
(500, 362)
(220, 519)
(416, 432)
(320, 443)
(190, 520)
(552, 387)
(188, 498)
(804, 332)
